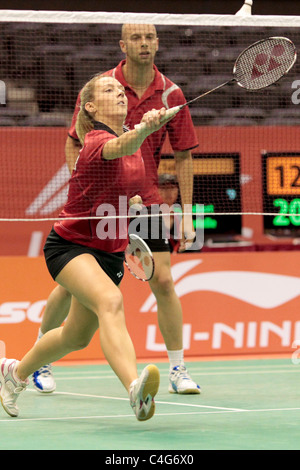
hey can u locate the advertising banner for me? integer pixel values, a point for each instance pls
(233, 304)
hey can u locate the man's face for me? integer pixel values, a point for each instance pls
(139, 42)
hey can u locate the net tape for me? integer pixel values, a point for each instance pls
(103, 17)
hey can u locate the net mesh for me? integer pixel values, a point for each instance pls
(248, 158)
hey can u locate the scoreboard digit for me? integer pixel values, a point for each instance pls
(283, 175)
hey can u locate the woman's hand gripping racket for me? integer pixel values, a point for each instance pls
(139, 259)
(257, 67)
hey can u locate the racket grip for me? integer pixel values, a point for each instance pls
(171, 112)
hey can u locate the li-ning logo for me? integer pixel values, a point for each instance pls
(2, 92)
(261, 290)
(265, 63)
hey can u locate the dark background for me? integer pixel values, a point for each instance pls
(260, 7)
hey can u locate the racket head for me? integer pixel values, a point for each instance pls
(264, 63)
(139, 259)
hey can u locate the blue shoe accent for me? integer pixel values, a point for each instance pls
(181, 382)
(43, 379)
(36, 380)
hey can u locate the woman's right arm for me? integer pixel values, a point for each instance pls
(129, 142)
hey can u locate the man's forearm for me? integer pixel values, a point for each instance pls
(185, 175)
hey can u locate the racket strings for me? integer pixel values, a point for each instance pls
(138, 258)
(258, 66)
(264, 63)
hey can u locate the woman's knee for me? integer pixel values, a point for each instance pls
(110, 303)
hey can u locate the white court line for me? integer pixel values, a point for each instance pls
(85, 395)
(157, 415)
(201, 372)
(62, 370)
(242, 372)
(214, 409)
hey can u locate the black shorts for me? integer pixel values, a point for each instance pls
(152, 230)
(58, 252)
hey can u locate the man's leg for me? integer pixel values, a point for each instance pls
(169, 314)
(56, 311)
(168, 304)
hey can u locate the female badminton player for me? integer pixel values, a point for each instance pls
(87, 265)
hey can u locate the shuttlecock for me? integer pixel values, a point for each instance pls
(246, 9)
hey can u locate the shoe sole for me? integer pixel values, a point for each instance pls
(150, 386)
(43, 391)
(188, 391)
(7, 410)
(2, 381)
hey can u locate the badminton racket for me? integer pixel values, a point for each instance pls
(139, 259)
(257, 67)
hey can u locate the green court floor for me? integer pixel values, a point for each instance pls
(245, 404)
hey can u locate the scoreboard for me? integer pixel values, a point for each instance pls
(281, 193)
(217, 189)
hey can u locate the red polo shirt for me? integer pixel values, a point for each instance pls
(161, 93)
(95, 188)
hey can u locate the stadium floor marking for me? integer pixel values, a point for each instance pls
(157, 415)
(63, 374)
(165, 368)
(202, 372)
(105, 397)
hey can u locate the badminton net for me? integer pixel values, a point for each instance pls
(248, 158)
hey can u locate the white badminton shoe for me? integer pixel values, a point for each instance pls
(43, 380)
(181, 382)
(10, 386)
(143, 391)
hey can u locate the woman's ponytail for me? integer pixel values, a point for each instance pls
(84, 124)
(85, 121)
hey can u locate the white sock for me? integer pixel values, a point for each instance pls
(17, 378)
(176, 358)
(40, 334)
(132, 385)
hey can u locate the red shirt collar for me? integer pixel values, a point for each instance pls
(157, 84)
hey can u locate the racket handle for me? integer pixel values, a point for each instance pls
(170, 113)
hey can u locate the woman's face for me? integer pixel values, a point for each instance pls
(109, 100)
